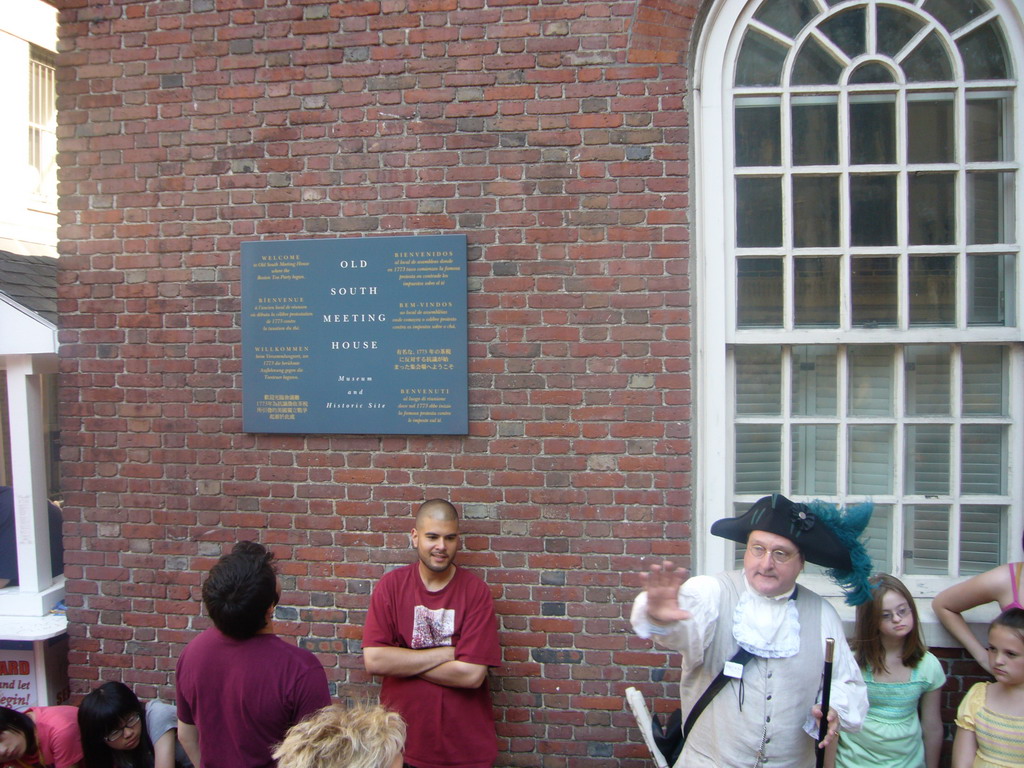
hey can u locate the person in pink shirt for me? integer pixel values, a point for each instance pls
(40, 736)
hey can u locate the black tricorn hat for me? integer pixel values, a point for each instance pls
(797, 522)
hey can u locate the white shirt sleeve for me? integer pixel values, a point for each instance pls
(849, 694)
(698, 595)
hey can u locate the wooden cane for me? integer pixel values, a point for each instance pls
(826, 694)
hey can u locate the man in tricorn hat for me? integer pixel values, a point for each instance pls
(768, 711)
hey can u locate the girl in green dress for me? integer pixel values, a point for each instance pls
(903, 727)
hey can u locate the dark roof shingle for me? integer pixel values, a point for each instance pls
(31, 281)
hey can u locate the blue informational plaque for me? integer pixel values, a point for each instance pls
(362, 335)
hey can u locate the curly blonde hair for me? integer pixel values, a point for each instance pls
(361, 736)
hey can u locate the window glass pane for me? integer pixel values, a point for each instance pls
(982, 537)
(895, 29)
(815, 131)
(759, 300)
(928, 61)
(878, 538)
(926, 539)
(760, 60)
(758, 457)
(927, 459)
(816, 292)
(871, 381)
(815, 211)
(815, 65)
(787, 16)
(931, 210)
(873, 209)
(983, 458)
(990, 294)
(930, 137)
(990, 206)
(871, 72)
(873, 291)
(813, 457)
(988, 134)
(872, 129)
(932, 290)
(757, 134)
(871, 459)
(928, 380)
(984, 53)
(985, 381)
(814, 381)
(847, 30)
(758, 381)
(758, 211)
(953, 14)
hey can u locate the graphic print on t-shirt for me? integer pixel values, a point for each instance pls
(432, 628)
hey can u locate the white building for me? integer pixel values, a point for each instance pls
(28, 338)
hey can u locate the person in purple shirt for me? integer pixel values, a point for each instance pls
(239, 686)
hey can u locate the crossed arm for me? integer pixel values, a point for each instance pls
(438, 665)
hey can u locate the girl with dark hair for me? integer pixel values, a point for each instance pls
(118, 732)
(903, 727)
(990, 720)
(40, 736)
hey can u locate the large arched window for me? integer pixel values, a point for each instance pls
(859, 274)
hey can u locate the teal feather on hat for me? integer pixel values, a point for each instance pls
(848, 525)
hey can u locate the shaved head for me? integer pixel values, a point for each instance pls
(436, 509)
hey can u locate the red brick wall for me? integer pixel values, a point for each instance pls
(555, 136)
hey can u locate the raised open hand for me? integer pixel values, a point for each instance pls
(662, 584)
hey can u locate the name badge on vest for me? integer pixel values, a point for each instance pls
(733, 669)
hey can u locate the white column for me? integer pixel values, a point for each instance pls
(28, 473)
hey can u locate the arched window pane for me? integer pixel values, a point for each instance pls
(953, 14)
(815, 65)
(984, 53)
(847, 30)
(787, 16)
(929, 61)
(895, 29)
(870, 73)
(760, 61)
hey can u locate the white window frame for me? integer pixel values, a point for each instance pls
(714, 290)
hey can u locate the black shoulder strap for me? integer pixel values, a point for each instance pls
(741, 656)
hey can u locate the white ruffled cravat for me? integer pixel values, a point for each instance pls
(768, 627)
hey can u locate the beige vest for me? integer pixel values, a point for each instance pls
(758, 724)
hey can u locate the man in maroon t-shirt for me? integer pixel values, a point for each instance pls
(431, 633)
(239, 686)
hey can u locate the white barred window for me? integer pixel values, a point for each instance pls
(42, 125)
(868, 268)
